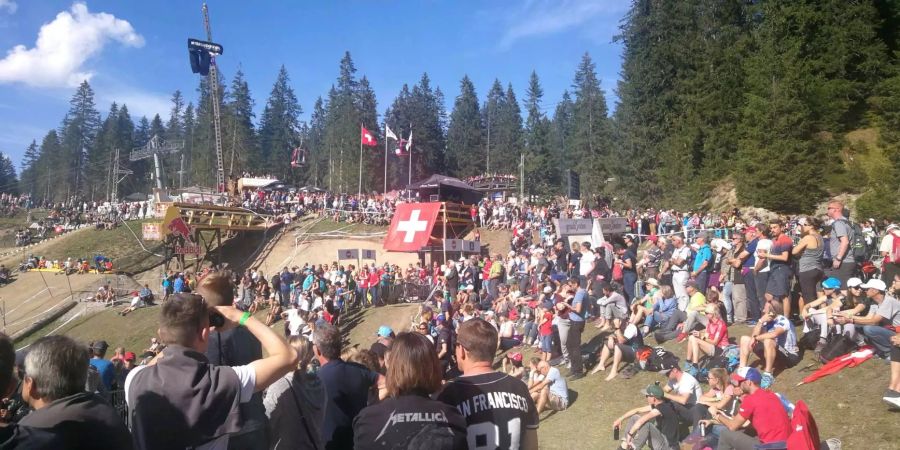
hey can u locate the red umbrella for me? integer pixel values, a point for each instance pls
(851, 359)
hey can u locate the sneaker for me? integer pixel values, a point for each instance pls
(750, 323)
(890, 393)
(893, 402)
(681, 337)
(767, 380)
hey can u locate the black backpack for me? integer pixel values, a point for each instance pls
(857, 241)
(836, 346)
(661, 359)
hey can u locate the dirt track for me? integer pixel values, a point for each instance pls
(286, 253)
(33, 294)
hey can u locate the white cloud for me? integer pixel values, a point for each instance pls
(63, 46)
(9, 5)
(543, 17)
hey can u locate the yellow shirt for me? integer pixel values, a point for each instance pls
(697, 302)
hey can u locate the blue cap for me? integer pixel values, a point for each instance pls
(747, 374)
(385, 331)
(831, 283)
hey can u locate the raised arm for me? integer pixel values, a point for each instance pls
(281, 359)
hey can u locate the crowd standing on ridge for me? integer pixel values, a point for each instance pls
(460, 377)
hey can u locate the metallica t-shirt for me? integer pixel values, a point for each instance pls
(410, 422)
(497, 409)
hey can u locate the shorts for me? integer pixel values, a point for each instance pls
(809, 283)
(628, 355)
(547, 343)
(895, 354)
(778, 284)
(783, 357)
(557, 403)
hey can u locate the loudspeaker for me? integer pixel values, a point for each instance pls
(573, 182)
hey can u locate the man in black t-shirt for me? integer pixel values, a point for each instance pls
(346, 388)
(444, 346)
(499, 412)
(655, 424)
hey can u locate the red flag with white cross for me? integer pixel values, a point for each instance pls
(367, 137)
(411, 226)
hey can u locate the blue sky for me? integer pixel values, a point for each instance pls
(135, 51)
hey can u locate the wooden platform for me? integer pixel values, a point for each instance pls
(211, 217)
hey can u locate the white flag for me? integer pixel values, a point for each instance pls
(409, 142)
(388, 133)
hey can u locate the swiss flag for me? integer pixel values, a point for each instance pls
(367, 137)
(411, 226)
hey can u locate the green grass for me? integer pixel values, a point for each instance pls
(117, 244)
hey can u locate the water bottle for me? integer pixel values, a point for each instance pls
(703, 429)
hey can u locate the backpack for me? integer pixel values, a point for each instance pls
(810, 339)
(836, 345)
(857, 241)
(661, 359)
(700, 371)
(728, 359)
(894, 257)
(641, 356)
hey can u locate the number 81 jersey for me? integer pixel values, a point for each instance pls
(497, 407)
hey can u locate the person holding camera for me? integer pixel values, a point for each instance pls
(180, 400)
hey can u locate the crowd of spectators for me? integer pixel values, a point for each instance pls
(205, 382)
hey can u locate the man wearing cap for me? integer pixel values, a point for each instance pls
(762, 408)
(681, 258)
(702, 264)
(656, 424)
(104, 368)
(878, 328)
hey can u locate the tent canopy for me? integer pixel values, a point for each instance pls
(447, 189)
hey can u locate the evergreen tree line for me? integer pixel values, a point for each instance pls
(761, 93)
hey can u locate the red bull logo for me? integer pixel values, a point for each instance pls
(177, 227)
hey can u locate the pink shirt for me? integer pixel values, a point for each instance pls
(717, 331)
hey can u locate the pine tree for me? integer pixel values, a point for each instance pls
(780, 163)
(465, 150)
(279, 127)
(542, 175)
(175, 126)
(317, 158)
(592, 133)
(80, 129)
(28, 180)
(51, 168)
(239, 137)
(561, 130)
(190, 128)
(100, 158)
(9, 182)
(372, 158)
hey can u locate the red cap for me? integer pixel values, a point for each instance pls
(653, 238)
(130, 356)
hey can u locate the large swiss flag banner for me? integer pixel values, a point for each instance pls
(411, 226)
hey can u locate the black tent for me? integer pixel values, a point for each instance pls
(446, 189)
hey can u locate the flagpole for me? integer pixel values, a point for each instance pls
(410, 158)
(359, 186)
(385, 157)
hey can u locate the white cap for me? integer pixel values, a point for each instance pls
(874, 283)
(854, 282)
(548, 289)
(469, 287)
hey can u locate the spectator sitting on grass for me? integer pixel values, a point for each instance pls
(760, 407)
(621, 345)
(136, 302)
(773, 340)
(710, 341)
(655, 425)
(551, 393)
